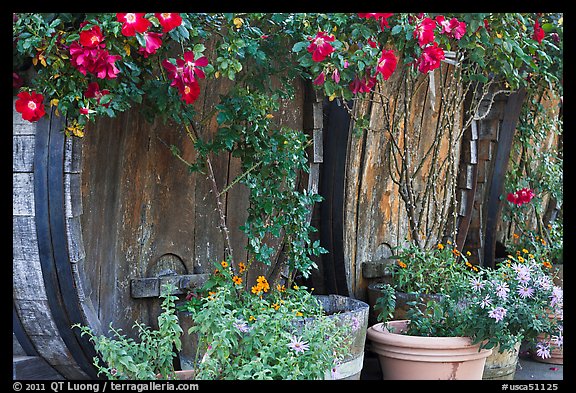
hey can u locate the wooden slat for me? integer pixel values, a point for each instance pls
(33, 368)
(494, 203)
(23, 153)
(22, 191)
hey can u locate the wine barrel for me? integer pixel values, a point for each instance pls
(99, 223)
(420, 121)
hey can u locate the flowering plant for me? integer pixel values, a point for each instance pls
(428, 271)
(263, 333)
(517, 301)
(151, 357)
(503, 306)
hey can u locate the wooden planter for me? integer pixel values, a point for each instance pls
(502, 365)
(348, 310)
(405, 357)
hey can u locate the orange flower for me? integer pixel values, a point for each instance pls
(237, 280)
(516, 236)
(224, 264)
(242, 267)
(280, 288)
(276, 306)
(261, 286)
(440, 246)
(547, 264)
(402, 264)
(456, 252)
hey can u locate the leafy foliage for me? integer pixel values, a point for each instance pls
(250, 335)
(149, 358)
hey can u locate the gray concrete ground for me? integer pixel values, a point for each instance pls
(528, 369)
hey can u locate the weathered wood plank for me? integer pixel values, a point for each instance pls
(36, 318)
(23, 153)
(23, 194)
(237, 212)
(76, 249)
(151, 287)
(72, 194)
(24, 246)
(73, 155)
(33, 368)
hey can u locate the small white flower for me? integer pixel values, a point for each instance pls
(297, 345)
(525, 292)
(543, 350)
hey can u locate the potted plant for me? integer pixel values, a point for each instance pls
(492, 308)
(152, 357)
(264, 332)
(424, 274)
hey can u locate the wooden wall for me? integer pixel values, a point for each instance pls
(411, 114)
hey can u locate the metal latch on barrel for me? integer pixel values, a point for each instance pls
(150, 286)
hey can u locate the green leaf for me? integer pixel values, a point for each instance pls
(299, 46)
(397, 29)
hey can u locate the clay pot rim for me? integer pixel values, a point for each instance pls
(381, 335)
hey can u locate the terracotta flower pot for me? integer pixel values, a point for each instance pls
(556, 353)
(404, 357)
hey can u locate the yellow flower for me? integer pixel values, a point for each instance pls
(252, 318)
(280, 288)
(269, 116)
(468, 253)
(224, 264)
(520, 259)
(299, 314)
(276, 306)
(237, 280)
(238, 22)
(242, 267)
(531, 256)
(76, 129)
(440, 246)
(525, 251)
(295, 287)
(448, 241)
